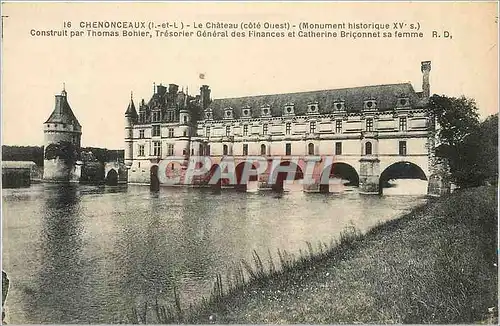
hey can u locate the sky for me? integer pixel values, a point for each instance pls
(100, 73)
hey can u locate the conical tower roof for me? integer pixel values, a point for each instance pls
(62, 112)
(131, 111)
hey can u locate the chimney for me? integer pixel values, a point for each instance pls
(205, 96)
(426, 87)
(161, 90)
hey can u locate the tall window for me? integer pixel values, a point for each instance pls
(200, 149)
(245, 149)
(312, 127)
(338, 148)
(368, 148)
(141, 150)
(156, 148)
(228, 131)
(403, 124)
(288, 149)
(207, 150)
(156, 130)
(170, 149)
(402, 148)
(310, 149)
(369, 124)
(141, 133)
(288, 128)
(224, 150)
(170, 132)
(207, 132)
(262, 149)
(338, 126)
(264, 129)
(142, 117)
(245, 130)
(156, 116)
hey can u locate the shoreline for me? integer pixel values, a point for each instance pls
(435, 264)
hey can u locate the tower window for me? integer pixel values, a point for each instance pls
(185, 119)
(156, 148)
(207, 132)
(245, 130)
(288, 149)
(156, 130)
(368, 148)
(402, 148)
(228, 131)
(338, 148)
(403, 124)
(264, 129)
(288, 128)
(141, 133)
(312, 127)
(141, 150)
(245, 149)
(369, 124)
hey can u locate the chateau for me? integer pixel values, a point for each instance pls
(374, 133)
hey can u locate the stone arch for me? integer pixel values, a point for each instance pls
(400, 170)
(112, 178)
(280, 174)
(339, 170)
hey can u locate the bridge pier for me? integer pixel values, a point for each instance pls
(369, 177)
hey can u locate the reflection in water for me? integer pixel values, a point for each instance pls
(87, 254)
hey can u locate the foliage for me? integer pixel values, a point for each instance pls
(469, 146)
(23, 153)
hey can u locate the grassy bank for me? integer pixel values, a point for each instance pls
(434, 265)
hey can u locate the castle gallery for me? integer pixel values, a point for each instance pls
(367, 130)
(370, 134)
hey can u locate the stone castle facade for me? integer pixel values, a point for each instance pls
(367, 130)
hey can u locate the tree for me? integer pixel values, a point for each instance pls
(469, 146)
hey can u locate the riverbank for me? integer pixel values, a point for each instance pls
(436, 264)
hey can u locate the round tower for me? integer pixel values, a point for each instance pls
(62, 138)
(130, 118)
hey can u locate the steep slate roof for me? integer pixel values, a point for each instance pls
(131, 111)
(62, 112)
(354, 97)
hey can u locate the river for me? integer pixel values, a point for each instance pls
(88, 254)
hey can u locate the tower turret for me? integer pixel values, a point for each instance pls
(130, 119)
(62, 137)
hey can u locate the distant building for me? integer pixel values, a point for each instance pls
(62, 133)
(20, 174)
(370, 130)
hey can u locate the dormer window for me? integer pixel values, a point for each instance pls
(313, 108)
(370, 104)
(339, 105)
(289, 109)
(208, 115)
(265, 111)
(403, 102)
(228, 113)
(246, 112)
